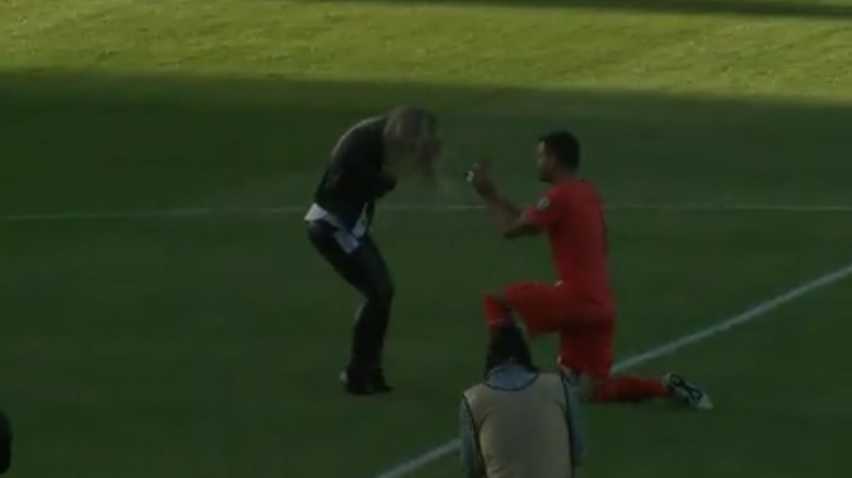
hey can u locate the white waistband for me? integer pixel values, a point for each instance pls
(318, 213)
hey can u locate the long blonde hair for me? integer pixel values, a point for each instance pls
(411, 123)
(411, 138)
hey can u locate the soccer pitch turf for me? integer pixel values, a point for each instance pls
(208, 344)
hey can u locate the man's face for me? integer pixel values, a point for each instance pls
(545, 162)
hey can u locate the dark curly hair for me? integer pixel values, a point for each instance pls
(508, 343)
(565, 146)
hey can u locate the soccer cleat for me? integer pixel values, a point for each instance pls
(357, 382)
(689, 393)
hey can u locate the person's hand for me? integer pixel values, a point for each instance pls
(480, 179)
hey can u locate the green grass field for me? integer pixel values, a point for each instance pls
(208, 345)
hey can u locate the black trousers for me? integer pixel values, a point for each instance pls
(365, 269)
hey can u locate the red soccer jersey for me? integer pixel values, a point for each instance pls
(572, 214)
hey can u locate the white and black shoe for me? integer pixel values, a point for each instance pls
(687, 392)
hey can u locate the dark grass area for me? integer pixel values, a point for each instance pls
(90, 142)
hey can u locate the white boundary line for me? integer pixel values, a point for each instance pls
(299, 209)
(758, 310)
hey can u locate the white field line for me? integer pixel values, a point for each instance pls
(299, 209)
(752, 313)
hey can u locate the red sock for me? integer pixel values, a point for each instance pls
(628, 389)
(496, 313)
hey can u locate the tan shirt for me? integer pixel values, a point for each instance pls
(521, 426)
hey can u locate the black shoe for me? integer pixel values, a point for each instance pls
(378, 382)
(359, 382)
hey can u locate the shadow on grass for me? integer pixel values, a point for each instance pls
(802, 9)
(92, 142)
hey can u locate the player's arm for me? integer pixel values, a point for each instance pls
(470, 453)
(512, 221)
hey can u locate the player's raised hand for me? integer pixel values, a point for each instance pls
(480, 179)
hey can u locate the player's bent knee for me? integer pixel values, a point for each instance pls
(495, 309)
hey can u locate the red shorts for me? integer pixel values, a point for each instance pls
(585, 327)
